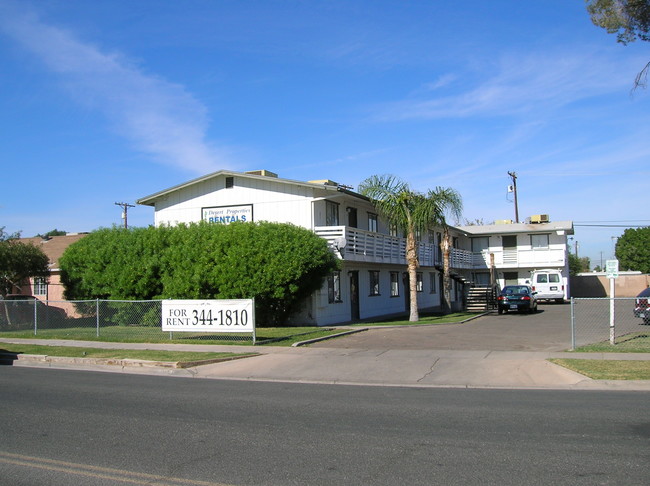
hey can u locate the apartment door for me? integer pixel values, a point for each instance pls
(511, 278)
(510, 249)
(354, 295)
(352, 217)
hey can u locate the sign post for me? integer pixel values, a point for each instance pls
(611, 269)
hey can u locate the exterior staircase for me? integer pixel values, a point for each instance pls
(481, 299)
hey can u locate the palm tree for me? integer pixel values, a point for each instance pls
(414, 213)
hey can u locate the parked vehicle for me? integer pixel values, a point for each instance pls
(521, 298)
(641, 308)
(549, 285)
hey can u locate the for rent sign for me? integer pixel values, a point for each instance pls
(228, 214)
(232, 315)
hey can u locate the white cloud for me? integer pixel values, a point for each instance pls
(518, 85)
(158, 117)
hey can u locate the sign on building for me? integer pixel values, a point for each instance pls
(227, 315)
(228, 214)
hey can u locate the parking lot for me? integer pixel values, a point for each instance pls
(547, 330)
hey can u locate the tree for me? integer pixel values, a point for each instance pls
(4, 236)
(414, 213)
(578, 265)
(628, 19)
(18, 262)
(633, 249)
(278, 265)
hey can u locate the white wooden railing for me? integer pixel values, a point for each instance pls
(367, 246)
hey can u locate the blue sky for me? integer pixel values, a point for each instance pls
(108, 101)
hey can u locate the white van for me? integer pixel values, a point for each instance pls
(549, 285)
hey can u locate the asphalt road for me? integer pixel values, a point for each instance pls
(72, 427)
(547, 330)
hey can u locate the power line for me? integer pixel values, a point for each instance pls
(611, 225)
(125, 209)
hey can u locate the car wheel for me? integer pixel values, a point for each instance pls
(499, 311)
(559, 301)
(646, 321)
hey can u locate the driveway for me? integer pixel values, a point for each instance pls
(548, 330)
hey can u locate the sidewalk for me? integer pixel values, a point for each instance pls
(413, 368)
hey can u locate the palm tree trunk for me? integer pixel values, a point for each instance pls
(412, 261)
(446, 278)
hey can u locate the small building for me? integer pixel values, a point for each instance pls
(373, 281)
(515, 250)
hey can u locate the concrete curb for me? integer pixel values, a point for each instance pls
(324, 338)
(11, 358)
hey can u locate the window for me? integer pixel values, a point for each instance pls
(392, 230)
(553, 278)
(374, 282)
(394, 284)
(432, 282)
(372, 222)
(419, 285)
(331, 213)
(230, 182)
(40, 286)
(481, 243)
(539, 241)
(334, 287)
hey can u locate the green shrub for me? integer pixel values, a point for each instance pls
(278, 265)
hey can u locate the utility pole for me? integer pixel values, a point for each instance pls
(513, 175)
(125, 210)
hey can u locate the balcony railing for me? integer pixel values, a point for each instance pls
(367, 246)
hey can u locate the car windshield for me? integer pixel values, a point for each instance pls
(515, 290)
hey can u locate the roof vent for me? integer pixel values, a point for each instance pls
(266, 173)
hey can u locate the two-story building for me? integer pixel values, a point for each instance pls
(372, 281)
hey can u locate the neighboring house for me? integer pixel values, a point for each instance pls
(50, 289)
(373, 281)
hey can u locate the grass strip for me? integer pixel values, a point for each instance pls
(425, 319)
(598, 369)
(637, 342)
(276, 336)
(141, 354)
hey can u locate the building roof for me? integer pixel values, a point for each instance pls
(321, 184)
(513, 228)
(54, 246)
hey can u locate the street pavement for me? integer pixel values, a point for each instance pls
(491, 351)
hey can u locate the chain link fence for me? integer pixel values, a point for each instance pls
(105, 320)
(591, 323)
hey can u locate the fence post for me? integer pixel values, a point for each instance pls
(612, 329)
(573, 325)
(35, 317)
(97, 315)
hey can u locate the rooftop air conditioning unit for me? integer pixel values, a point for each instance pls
(503, 221)
(266, 173)
(539, 218)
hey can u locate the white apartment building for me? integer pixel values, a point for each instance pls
(372, 281)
